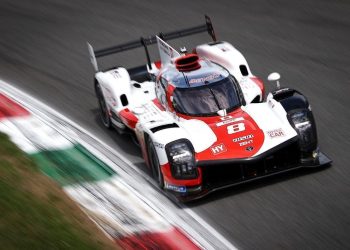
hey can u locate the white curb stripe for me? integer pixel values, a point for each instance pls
(32, 136)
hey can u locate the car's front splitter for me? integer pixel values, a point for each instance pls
(196, 192)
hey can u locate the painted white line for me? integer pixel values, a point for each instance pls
(185, 218)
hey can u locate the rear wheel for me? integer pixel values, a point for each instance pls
(154, 163)
(104, 113)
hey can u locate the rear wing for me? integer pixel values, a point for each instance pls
(144, 42)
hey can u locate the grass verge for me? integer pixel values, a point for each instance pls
(35, 213)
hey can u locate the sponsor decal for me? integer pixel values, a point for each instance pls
(166, 48)
(158, 145)
(276, 133)
(180, 189)
(228, 120)
(116, 74)
(245, 143)
(218, 149)
(204, 79)
(250, 148)
(242, 138)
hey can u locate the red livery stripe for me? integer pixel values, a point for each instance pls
(157, 103)
(128, 118)
(158, 64)
(260, 84)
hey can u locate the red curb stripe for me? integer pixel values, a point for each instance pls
(172, 240)
(9, 108)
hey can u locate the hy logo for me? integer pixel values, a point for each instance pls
(218, 149)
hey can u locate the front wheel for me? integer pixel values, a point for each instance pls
(104, 113)
(154, 163)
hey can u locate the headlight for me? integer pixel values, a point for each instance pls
(301, 120)
(304, 124)
(181, 158)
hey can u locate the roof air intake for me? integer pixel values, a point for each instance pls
(187, 63)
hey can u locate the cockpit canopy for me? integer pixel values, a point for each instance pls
(207, 73)
(201, 92)
(208, 99)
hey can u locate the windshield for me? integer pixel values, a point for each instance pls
(206, 100)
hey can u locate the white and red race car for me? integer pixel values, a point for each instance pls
(202, 119)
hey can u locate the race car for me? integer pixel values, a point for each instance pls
(201, 117)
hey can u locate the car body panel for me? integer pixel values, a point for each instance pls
(251, 141)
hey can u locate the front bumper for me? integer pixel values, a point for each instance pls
(218, 175)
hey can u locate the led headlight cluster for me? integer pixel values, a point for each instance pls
(181, 158)
(303, 121)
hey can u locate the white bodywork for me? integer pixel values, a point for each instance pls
(230, 58)
(269, 115)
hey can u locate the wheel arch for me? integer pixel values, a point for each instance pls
(295, 103)
(291, 99)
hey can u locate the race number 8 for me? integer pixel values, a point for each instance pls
(237, 127)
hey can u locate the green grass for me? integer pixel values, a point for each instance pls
(35, 213)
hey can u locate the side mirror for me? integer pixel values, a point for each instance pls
(274, 77)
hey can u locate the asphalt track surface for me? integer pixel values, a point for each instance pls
(43, 51)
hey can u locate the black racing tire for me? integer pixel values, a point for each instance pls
(154, 163)
(104, 113)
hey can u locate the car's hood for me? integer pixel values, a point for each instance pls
(247, 132)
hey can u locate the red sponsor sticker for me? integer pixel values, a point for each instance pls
(218, 149)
